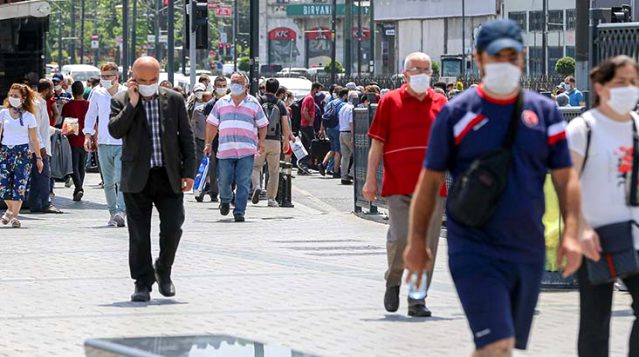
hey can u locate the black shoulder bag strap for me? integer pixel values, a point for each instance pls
(635, 165)
(514, 122)
(588, 140)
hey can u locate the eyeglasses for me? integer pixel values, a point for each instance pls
(419, 70)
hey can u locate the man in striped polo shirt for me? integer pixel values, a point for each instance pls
(241, 123)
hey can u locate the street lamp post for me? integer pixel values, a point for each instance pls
(72, 46)
(82, 31)
(171, 39)
(334, 44)
(134, 26)
(158, 4)
(60, 39)
(125, 39)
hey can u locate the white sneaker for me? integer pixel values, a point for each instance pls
(273, 203)
(112, 222)
(119, 219)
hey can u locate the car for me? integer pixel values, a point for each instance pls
(317, 71)
(270, 69)
(80, 72)
(299, 86)
(288, 71)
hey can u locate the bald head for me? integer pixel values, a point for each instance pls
(146, 70)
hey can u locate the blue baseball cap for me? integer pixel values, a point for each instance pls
(497, 35)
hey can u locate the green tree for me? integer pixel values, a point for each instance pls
(565, 66)
(243, 64)
(436, 69)
(338, 67)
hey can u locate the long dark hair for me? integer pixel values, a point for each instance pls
(605, 72)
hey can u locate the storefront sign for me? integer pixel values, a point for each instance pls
(321, 10)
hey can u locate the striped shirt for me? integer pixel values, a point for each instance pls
(237, 126)
(152, 109)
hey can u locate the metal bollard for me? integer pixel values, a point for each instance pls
(284, 191)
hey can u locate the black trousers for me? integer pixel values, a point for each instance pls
(595, 311)
(39, 185)
(79, 158)
(139, 206)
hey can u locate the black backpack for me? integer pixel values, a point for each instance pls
(296, 115)
(274, 116)
(331, 115)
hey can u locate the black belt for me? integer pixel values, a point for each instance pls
(346, 131)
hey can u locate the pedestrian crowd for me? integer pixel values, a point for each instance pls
(497, 143)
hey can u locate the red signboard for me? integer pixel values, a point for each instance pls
(224, 11)
(281, 34)
(319, 33)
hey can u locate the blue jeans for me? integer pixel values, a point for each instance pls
(110, 157)
(238, 170)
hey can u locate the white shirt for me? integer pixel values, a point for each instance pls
(100, 111)
(345, 117)
(603, 182)
(12, 132)
(42, 118)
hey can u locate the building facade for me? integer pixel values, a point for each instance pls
(435, 27)
(297, 33)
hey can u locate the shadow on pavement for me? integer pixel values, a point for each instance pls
(402, 318)
(63, 202)
(153, 302)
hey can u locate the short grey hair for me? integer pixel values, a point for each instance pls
(420, 56)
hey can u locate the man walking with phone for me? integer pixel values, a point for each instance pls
(158, 165)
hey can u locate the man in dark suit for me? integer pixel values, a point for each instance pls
(158, 165)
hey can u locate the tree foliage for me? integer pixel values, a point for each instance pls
(436, 69)
(243, 64)
(338, 67)
(565, 66)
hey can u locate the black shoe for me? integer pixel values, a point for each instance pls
(419, 310)
(337, 175)
(77, 195)
(255, 199)
(165, 285)
(239, 218)
(225, 208)
(322, 169)
(347, 182)
(391, 298)
(214, 199)
(142, 293)
(198, 199)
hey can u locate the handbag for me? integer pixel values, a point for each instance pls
(475, 194)
(200, 178)
(619, 259)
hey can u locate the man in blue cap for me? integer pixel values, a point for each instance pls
(497, 264)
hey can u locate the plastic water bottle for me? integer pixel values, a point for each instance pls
(414, 292)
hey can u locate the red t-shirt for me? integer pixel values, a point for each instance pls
(403, 122)
(76, 109)
(50, 104)
(308, 102)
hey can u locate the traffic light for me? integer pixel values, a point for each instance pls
(621, 13)
(228, 50)
(200, 23)
(221, 47)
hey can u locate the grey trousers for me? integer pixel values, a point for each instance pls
(396, 238)
(346, 149)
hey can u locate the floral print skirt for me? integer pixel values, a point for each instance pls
(15, 167)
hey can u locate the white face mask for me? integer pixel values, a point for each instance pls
(106, 83)
(623, 100)
(209, 87)
(58, 87)
(220, 91)
(148, 90)
(237, 89)
(419, 83)
(199, 95)
(501, 78)
(15, 102)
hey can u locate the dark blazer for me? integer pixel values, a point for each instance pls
(178, 149)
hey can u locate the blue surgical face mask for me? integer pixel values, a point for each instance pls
(237, 89)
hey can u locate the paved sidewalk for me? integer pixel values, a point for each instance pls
(310, 278)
